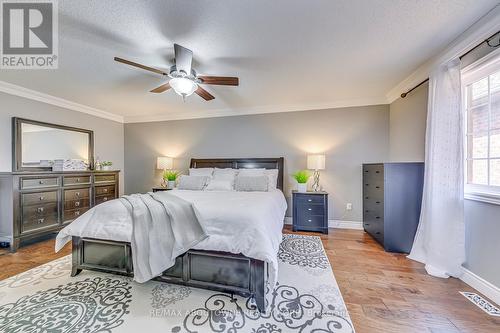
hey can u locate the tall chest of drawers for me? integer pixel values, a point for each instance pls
(392, 198)
(36, 204)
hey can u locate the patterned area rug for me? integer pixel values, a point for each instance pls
(47, 299)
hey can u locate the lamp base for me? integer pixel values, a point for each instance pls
(316, 187)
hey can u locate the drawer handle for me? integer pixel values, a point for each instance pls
(377, 217)
(40, 221)
(378, 232)
(40, 209)
(77, 213)
(77, 203)
(105, 190)
(377, 186)
(41, 182)
(77, 194)
(366, 197)
(366, 211)
(309, 220)
(377, 202)
(367, 223)
(78, 180)
(377, 171)
(367, 184)
(309, 208)
(105, 199)
(42, 198)
(309, 200)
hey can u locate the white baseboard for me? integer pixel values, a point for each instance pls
(339, 224)
(484, 287)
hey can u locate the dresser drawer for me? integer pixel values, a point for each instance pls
(71, 214)
(313, 221)
(76, 194)
(103, 198)
(77, 204)
(40, 210)
(76, 180)
(27, 183)
(373, 172)
(105, 190)
(309, 199)
(38, 198)
(34, 223)
(104, 178)
(309, 209)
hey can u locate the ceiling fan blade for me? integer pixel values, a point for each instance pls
(204, 94)
(131, 63)
(220, 80)
(162, 88)
(183, 59)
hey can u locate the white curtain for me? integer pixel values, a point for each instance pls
(440, 239)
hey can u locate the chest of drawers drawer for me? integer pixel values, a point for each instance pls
(77, 204)
(103, 198)
(104, 178)
(311, 209)
(76, 180)
(31, 183)
(105, 190)
(40, 210)
(37, 198)
(32, 223)
(71, 214)
(76, 194)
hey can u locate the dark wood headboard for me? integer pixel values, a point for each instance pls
(242, 163)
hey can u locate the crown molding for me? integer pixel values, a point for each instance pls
(254, 110)
(475, 34)
(16, 90)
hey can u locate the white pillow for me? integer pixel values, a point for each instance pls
(251, 172)
(194, 183)
(225, 174)
(272, 174)
(219, 185)
(251, 183)
(201, 172)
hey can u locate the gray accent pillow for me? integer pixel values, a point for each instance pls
(251, 183)
(194, 183)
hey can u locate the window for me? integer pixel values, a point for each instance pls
(481, 92)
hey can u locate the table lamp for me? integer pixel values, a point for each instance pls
(316, 162)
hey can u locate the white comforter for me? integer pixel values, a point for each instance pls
(238, 222)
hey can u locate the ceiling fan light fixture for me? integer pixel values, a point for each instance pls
(183, 86)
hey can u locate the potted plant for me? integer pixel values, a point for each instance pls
(106, 165)
(302, 176)
(169, 177)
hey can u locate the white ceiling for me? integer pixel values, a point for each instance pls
(288, 54)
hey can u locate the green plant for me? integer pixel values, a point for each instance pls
(302, 176)
(106, 163)
(170, 175)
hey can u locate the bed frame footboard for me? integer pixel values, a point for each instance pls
(219, 271)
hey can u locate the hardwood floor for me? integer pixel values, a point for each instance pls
(383, 292)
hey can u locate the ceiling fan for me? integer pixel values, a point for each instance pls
(183, 78)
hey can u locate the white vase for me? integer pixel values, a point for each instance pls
(171, 184)
(106, 168)
(302, 187)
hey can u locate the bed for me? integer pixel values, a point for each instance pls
(215, 267)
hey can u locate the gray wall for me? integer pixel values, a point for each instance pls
(108, 135)
(348, 137)
(407, 126)
(482, 225)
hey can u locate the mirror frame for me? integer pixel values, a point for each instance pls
(17, 142)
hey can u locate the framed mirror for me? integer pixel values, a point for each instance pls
(36, 145)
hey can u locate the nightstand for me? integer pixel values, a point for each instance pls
(310, 211)
(159, 189)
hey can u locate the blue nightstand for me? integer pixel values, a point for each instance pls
(310, 211)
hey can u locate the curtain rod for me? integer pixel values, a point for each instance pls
(487, 41)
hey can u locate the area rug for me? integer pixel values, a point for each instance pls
(47, 299)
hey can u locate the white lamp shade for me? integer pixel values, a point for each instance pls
(316, 162)
(164, 162)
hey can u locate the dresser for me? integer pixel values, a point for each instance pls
(310, 211)
(35, 204)
(392, 198)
